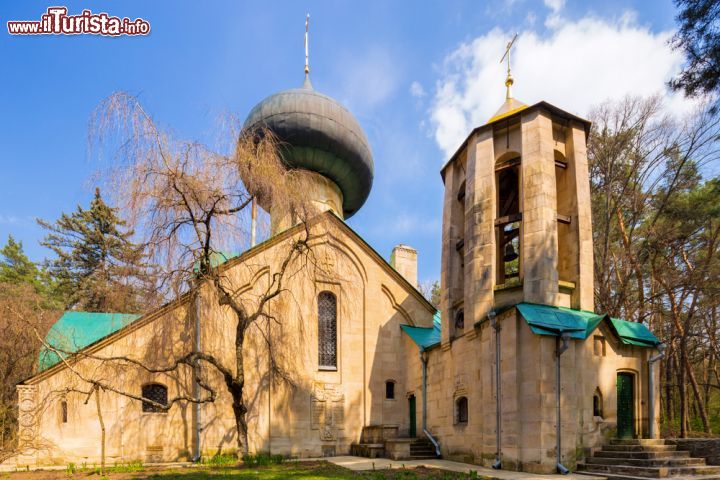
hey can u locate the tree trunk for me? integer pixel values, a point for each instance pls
(237, 385)
(698, 395)
(102, 431)
(682, 387)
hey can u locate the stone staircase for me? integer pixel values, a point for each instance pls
(422, 449)
(640, 459)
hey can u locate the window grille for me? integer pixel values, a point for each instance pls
(156, 393)
(327, 330)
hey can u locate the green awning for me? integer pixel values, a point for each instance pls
(425, 337)
(76, 330)
(634, 333)
(548, 320)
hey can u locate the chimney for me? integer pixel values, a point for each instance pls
(404, 261)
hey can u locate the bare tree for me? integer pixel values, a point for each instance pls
(22, 309)
(189, 203)
(654, 227)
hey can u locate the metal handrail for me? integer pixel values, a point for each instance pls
(433, 441)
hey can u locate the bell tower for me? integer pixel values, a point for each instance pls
(516, 216)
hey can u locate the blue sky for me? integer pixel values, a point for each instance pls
(417, 75)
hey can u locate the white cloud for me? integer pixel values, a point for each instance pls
(417, 90)
(576, 65)
(555, 5)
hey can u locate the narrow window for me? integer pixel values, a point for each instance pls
(461, 410)
(599, 345)
(327, 330)
(157, 393)
(63, 411)
(390, 390)
(459, 320)
(565, 241)
(508, 222)
(597, 404)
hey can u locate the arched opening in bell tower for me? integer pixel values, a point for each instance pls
(507, 223)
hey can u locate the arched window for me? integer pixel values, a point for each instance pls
(157, 393)
(564, 207)
(390, 390)
(461, 410)
(597, 403)
(63, 411)
(508, 220)
(327, 330)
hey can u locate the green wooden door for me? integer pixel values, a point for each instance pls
(625, 406)
(413, 427)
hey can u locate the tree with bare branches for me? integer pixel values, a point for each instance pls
(189, 204)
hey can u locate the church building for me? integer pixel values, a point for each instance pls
(516, 370)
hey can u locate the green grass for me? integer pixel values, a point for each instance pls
(302, 471)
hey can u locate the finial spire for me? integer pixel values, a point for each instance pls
(307, 60)
(509, 79)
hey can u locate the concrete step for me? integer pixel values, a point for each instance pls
(646, 462)
(649, 472)
(642, 454)
(637, 441)
(639, 448)
(613, 476)
(422, 457)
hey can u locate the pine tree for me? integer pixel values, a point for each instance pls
(97, 266)
(17, 269)
(15, 266)
(698, 37)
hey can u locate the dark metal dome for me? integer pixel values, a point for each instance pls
(319, 134)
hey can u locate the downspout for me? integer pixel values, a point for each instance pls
(424, 360)
(196, 385)
(561, 344)
(651, 389)
(497, 464)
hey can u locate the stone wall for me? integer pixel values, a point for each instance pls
(707, 448)
(323, 412)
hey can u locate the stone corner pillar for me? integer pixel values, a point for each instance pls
(538, 200)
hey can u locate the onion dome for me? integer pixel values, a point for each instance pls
(317, 133)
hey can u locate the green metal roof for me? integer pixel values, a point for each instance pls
(217, 259)
(548, 320)
(634, 333)
(425, 337)
(76, 330)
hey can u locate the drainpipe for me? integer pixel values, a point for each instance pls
(651, 389)
(196, 385)
(424, 360)
(497, 464)
(561, 344)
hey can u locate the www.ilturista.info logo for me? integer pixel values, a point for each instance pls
(57, 22)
